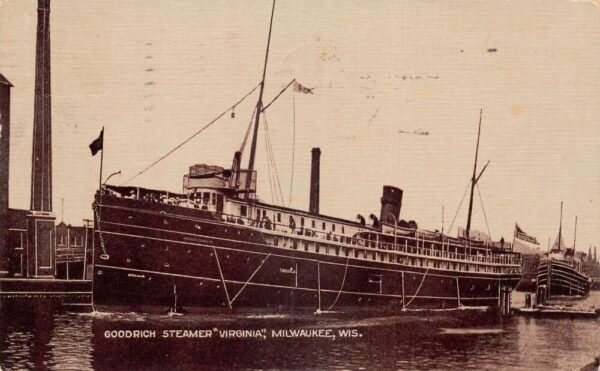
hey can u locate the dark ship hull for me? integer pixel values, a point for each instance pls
(561, 279)
(151, 253)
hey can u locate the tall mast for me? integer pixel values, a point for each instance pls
(560, 226)
(474, 179)
(259, 109)
(575, 235)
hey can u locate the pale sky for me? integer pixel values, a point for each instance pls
(154, 72)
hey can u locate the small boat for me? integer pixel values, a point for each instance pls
(559, 271)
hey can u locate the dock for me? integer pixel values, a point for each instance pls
(48, 292)
(552, 311)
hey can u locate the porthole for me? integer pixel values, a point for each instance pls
(100, 272)
(166, 265)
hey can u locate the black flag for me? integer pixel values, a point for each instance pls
(97, 144)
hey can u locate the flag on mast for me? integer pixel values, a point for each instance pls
(302, 89)
(97, 144)
(521, 235)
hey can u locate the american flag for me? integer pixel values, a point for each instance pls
(521, 235)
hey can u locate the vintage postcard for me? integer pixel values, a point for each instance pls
(278, 184)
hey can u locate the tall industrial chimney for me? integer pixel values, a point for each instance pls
(40, 220)
(314, 181)
(41, 167)
(5, 86)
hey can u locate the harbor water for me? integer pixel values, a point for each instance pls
(58, 340)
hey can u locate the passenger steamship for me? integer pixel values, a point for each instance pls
(217, 244)
(559, 271)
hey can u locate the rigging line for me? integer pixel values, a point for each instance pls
(270, 161)
(276, 182)
(191, 137)
(458, 209)
(293, 147)
(248, 131)
(273, 159)
(269, 167)
(483, 208)
(277, 96)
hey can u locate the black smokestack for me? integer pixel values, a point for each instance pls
(391, 203)
(314, 181)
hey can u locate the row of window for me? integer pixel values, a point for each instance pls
(262, 213)
(393, 258)
(75, 241)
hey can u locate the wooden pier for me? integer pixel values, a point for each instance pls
(41, 291)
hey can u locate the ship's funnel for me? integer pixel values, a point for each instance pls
(391, 203)
(314, 181)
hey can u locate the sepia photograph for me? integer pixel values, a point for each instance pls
(290, 185)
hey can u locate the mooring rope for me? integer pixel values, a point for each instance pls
(104, 255)
(341, 286)
(249, 279)
(418, 289)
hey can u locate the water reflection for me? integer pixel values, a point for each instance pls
(46, 339)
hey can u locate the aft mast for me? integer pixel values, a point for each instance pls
(474, 178)
(259, 107)
(560, 226)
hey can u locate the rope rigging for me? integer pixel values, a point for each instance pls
(484, 214)
(293, 147)
(192, 136)
(278, 95)
(459, 205)
(247, 132)
(269, 171)
(271, 160)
